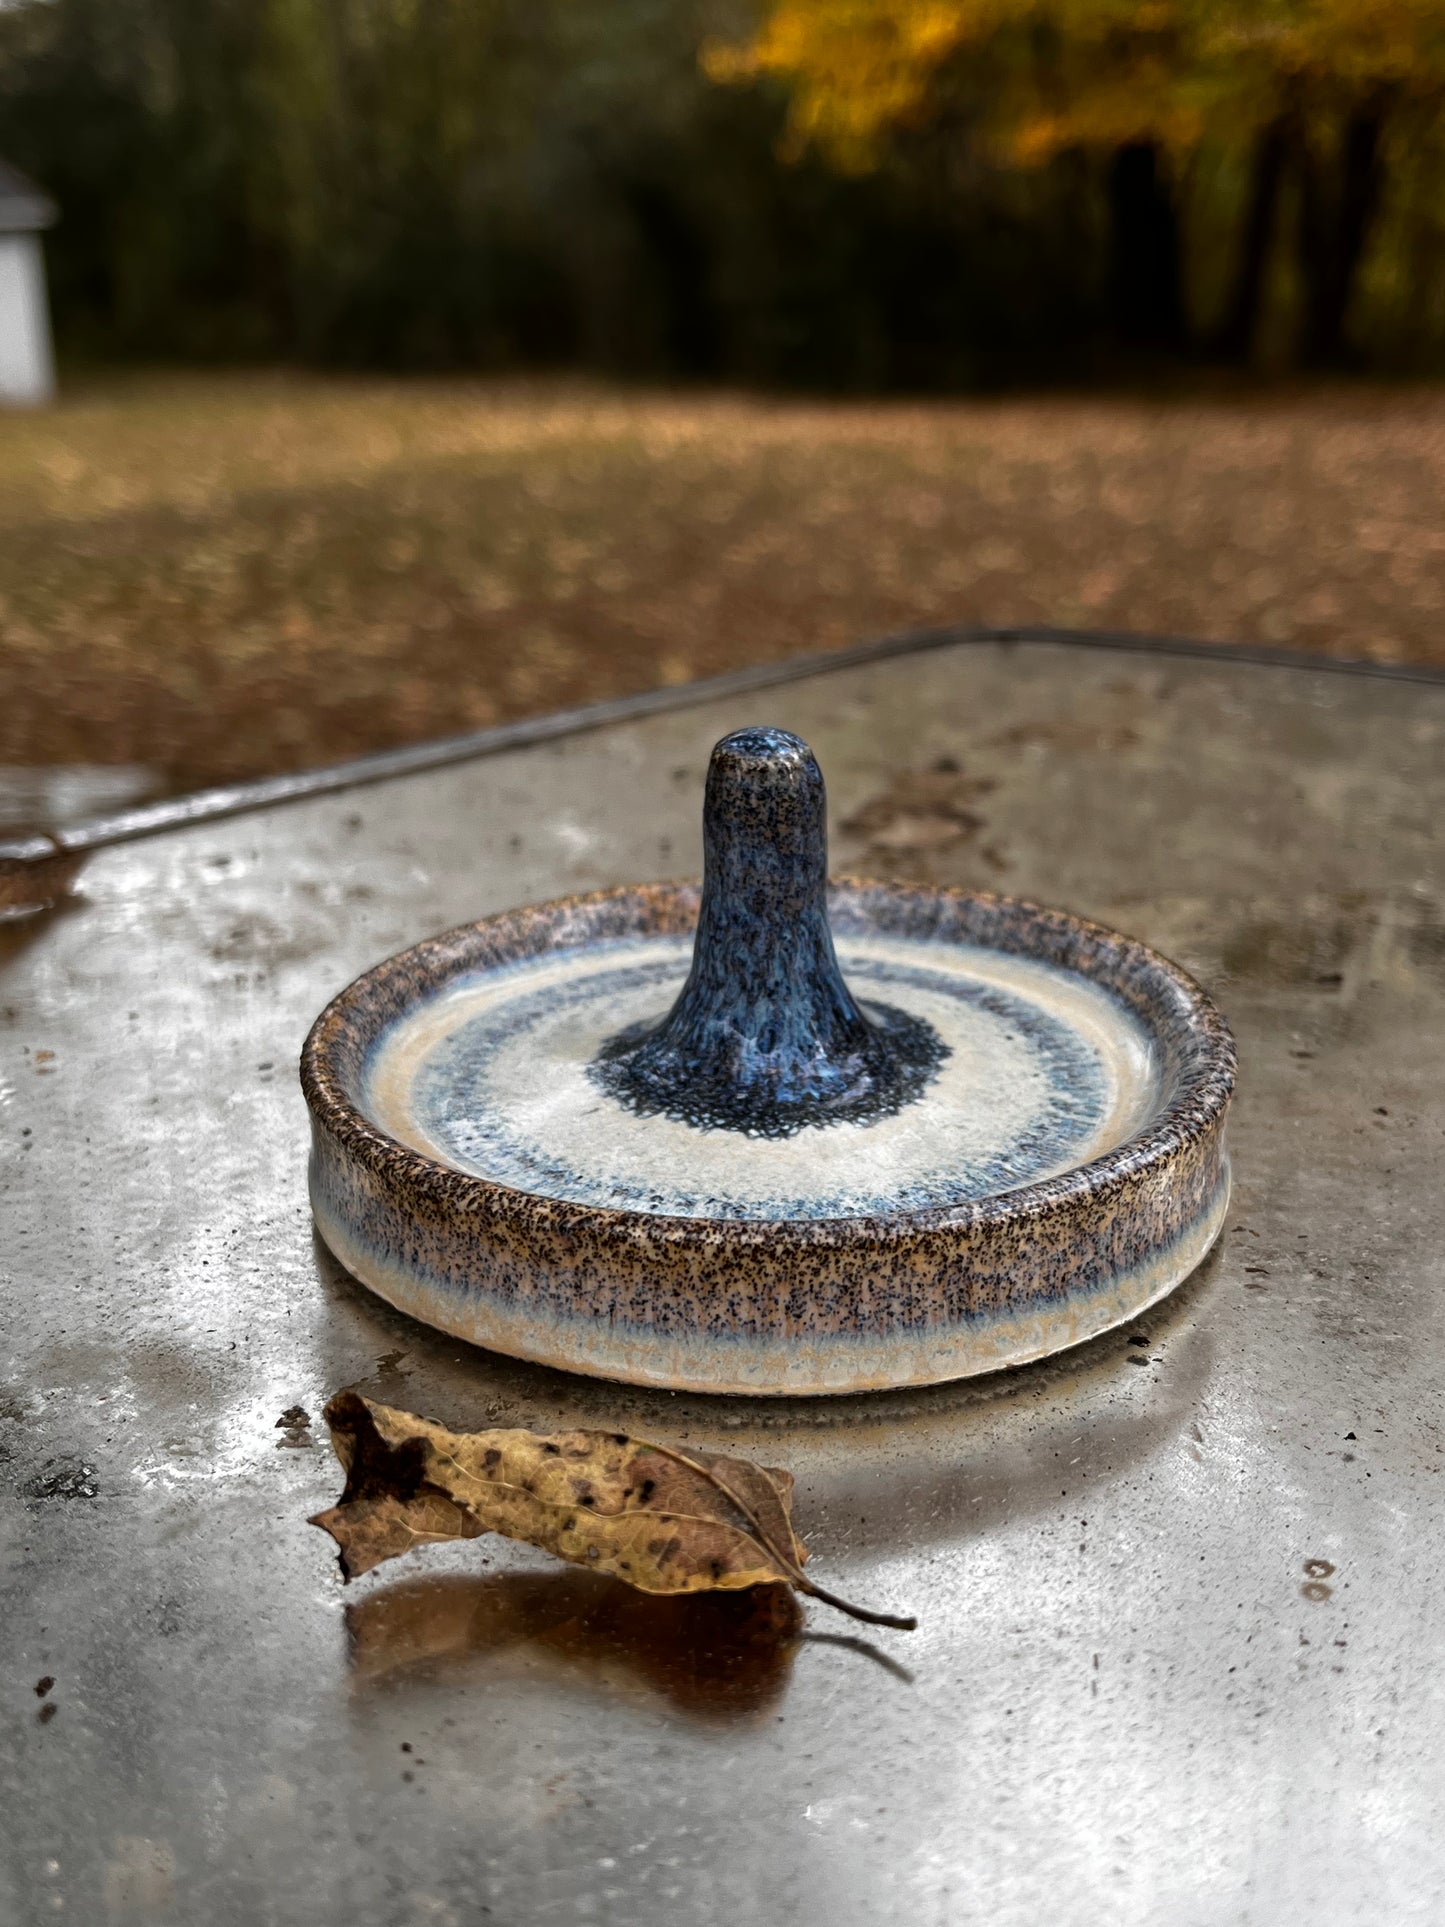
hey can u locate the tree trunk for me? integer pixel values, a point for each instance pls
(677, 255)
(1145, 274)
(1335, 228)
(1234, 340)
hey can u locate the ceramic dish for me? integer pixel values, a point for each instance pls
(771, 1135)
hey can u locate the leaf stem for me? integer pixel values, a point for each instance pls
(901, 1622)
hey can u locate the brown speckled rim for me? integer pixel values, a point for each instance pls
(791, 1305)
(335, 1050)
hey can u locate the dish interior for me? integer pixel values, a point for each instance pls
(489, 1075)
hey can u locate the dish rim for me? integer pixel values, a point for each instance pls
(1200, 1060)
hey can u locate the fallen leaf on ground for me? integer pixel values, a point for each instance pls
(922, 810)
(663, 1520)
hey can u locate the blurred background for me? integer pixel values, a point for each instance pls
(428, 363)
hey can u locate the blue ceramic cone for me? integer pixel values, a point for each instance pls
(766, 1037)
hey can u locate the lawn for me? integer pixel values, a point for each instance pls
(219, 577)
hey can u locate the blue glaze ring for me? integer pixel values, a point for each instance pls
(766, 1037)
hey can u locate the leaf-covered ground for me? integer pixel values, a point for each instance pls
(224, 576)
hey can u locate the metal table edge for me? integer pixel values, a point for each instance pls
(235, 799)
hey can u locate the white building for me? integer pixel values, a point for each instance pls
(27, 368)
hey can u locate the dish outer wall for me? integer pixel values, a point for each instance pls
(807, 1307)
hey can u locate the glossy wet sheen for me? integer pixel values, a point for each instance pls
(1044, 1072)
(1182, 1634)
(766, 1038)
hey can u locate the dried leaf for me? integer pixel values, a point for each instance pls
(916, 830)
(922, 810)
(663, 1520)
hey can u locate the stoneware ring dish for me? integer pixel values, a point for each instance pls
(771, 1134)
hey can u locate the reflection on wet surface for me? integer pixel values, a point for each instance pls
(864, 1648)
(715, 1657)
(877, 1471)
(29, 893)
(1121, 1696)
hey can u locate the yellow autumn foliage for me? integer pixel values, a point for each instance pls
(1093, 73)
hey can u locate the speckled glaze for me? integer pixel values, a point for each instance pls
(805, 1305)
(766, 1037)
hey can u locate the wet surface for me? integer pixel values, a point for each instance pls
(1180, 1601)
(719, 1658)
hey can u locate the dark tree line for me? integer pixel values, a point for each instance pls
(541, 183)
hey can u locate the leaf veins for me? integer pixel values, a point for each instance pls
(662, 1519)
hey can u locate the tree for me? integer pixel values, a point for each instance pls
(1310, 93)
